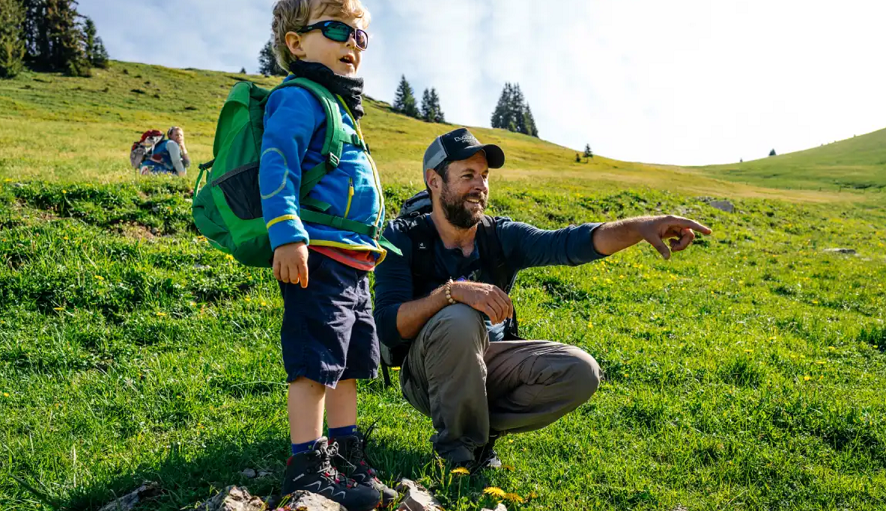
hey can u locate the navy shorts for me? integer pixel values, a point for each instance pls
(328, 330)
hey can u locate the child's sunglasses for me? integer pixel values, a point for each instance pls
(340, 32)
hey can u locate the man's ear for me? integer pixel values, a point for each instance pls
(293, 42)
(433, 179)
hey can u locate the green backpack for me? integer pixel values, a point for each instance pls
(228, 209)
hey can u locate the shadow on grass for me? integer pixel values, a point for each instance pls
(185, 480)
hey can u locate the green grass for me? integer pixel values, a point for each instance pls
(857, 163)
(745, 373)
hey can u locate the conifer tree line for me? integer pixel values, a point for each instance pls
(267, 61)
(49, 36)
(405, 103)
(513, 113)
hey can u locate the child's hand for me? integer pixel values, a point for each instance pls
(291, 263)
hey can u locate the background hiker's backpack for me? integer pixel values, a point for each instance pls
(423, 236)
(228, 209)
(143, 147)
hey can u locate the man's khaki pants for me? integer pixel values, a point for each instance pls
(469, 386)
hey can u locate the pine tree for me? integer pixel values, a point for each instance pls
(501, 116)
(529, 122)
(267, 61)
(588, 152)
(404, 101)
(35, 34)
(438, 111)
(54, 38)
(513, 113)
(12, 41)
(427, 108)
(772, 152)
(94, 47)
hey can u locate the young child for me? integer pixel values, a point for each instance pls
(328, 336)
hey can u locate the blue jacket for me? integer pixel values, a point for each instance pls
(295, 126)
(160, 158)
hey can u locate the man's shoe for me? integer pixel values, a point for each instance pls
(313, 471)
(485, 456)
(352, 461)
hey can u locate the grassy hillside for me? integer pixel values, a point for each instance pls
(856, 163)
(73, 129)
(746, 373)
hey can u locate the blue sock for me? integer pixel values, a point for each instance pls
(345, 431)
(305, 447)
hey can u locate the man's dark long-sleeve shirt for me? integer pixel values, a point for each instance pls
(523, 245)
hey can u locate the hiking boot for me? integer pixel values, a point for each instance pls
(313, 471)
(485, 456)
(352, 461)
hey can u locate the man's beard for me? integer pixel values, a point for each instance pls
(455, 211)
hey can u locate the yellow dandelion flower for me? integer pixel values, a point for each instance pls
(590, 325)
(64, 191)
(495, 491)
(807, 378)
(831, 348)
(229, 257)
(6, 394)
(513, 497)
(815, 302)
(264, 304)
(65, 238)
(461, 471)
(161, 314)
(773, 338)
(748, 351)
(248, 299)
(58, 308)
(532, 495)
(820, 362)
(99, 277)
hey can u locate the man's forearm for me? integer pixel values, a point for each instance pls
(612, 237)
(412, 316)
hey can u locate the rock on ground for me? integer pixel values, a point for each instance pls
(233, 498)
(723, 205)
(307, 501)
(849, 251)
(499, 507)
(130, 500)
(417, 498)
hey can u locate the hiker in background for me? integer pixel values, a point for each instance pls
(444, 314)
(168, 156)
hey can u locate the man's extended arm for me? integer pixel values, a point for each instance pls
(612, 237)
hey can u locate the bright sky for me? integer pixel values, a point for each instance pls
(680, 81)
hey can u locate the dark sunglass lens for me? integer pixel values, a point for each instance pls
(337, 31)
(362, 39)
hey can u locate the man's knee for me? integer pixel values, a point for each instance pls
(457, 327)
(584, 374)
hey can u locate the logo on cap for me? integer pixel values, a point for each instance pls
(467, 138)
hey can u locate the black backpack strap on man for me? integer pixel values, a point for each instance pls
(494, 267)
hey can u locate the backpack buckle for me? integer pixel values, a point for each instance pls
(333, 160)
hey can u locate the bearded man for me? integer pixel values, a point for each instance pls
(443, 312)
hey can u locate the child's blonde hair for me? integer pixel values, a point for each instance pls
(293, 15)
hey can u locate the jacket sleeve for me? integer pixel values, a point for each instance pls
(528, 246)
(291, 117)
(393, 287)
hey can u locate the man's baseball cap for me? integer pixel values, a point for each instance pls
(458, 145)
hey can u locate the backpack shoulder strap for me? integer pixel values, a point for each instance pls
(423, 236)
(492, 255)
